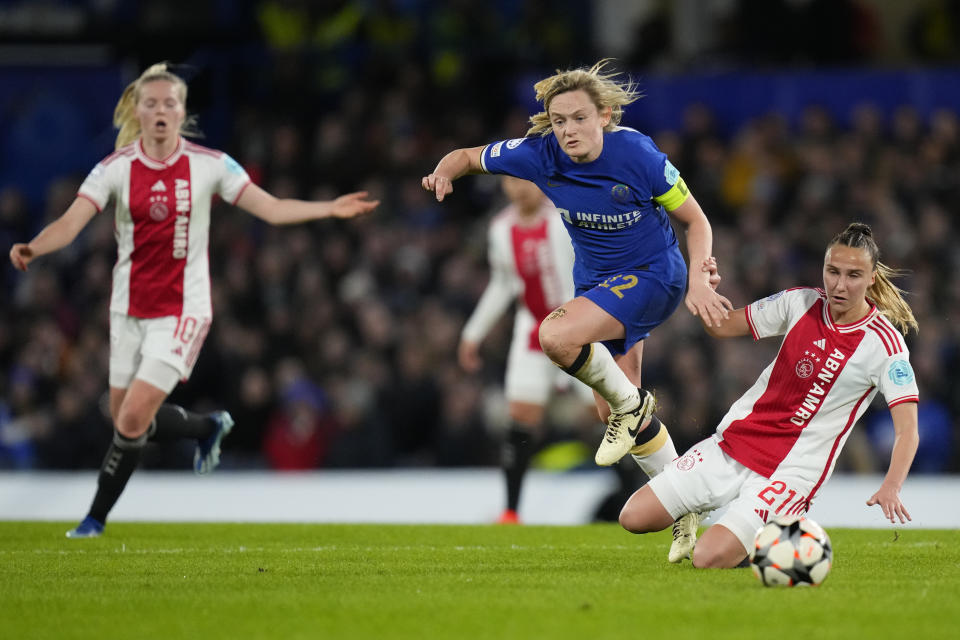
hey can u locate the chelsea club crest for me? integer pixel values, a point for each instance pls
(620, 193)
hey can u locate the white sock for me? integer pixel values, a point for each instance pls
(602, 373)
(657, 453)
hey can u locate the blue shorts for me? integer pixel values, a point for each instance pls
(640, 299)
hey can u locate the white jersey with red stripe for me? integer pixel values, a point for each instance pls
(798, 415)
(162, 224)
(531, 262)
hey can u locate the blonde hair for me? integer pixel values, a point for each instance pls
(603, 90)
(125, 113)
(887, 296)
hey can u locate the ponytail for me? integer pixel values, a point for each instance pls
(887, 296)
(125, 113)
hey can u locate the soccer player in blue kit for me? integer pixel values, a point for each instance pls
(614, 189)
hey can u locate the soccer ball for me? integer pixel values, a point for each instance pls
(791, 552)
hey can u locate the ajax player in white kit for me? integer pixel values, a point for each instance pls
(778, 444)
(160, 309)
(531, 263)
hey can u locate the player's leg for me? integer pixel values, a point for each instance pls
(700, 480)
(652, 448)
(175, 342)
(571, 337)
(527, 386)
(126, 341)
(652, 451)
(132, 410)
(644, 512)
(173, 422)
(520, 444)
(757, 499)
(718, 548)
(567, 337)
(725, 544)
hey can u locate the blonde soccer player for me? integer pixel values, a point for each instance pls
(617, 194)
(161, 186)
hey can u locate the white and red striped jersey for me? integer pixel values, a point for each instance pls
(795, 419)
(162, 224)
(531, 261)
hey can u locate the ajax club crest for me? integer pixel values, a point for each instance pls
(806, 364)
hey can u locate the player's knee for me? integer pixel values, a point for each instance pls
(710, 557)
(550, 340)
(632, 520)
(131, 425)
(703, 557)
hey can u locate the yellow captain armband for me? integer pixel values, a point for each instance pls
(677, 195)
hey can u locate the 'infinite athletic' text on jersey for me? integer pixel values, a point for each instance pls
(613, 207)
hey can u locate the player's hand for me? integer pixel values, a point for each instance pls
(21, 255)
(710, 306)
(352, 204)
(468, 355)
(440, 185)
(710, 267)
(889, 500)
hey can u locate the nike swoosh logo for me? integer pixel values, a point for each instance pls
(633, 432)
(554, 184)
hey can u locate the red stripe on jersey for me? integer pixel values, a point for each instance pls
(836, 443)
(897, 401)
(119, 153)
(240, 193)
(883, 339)
(749, 317)
(799, 383)
(86, 197)
(892, 340)
(196, 148)
(160, 205)
(530, 246)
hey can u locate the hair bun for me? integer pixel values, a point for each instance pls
(860, 227)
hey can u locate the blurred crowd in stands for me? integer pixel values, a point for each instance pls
(333, 344)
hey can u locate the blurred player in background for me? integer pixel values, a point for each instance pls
(531, 263)
(778, 444)
(614, 190)
(160, 309)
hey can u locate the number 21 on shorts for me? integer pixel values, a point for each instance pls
(785, 501)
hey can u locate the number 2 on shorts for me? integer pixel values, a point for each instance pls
(628, 281)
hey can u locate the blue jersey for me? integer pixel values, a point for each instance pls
(613, 207)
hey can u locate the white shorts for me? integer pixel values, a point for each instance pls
(532, 377)
(706, 478)
(160, 351)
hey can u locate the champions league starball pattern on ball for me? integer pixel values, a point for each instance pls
(791, 552)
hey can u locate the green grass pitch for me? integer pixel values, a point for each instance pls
(237, 581)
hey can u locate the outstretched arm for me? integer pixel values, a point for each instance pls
(289, 211)
(905, 444)
(55, 235)
(458, 162)
(494, 301)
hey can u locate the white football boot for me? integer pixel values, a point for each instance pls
(684, 537)
(622, 430)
